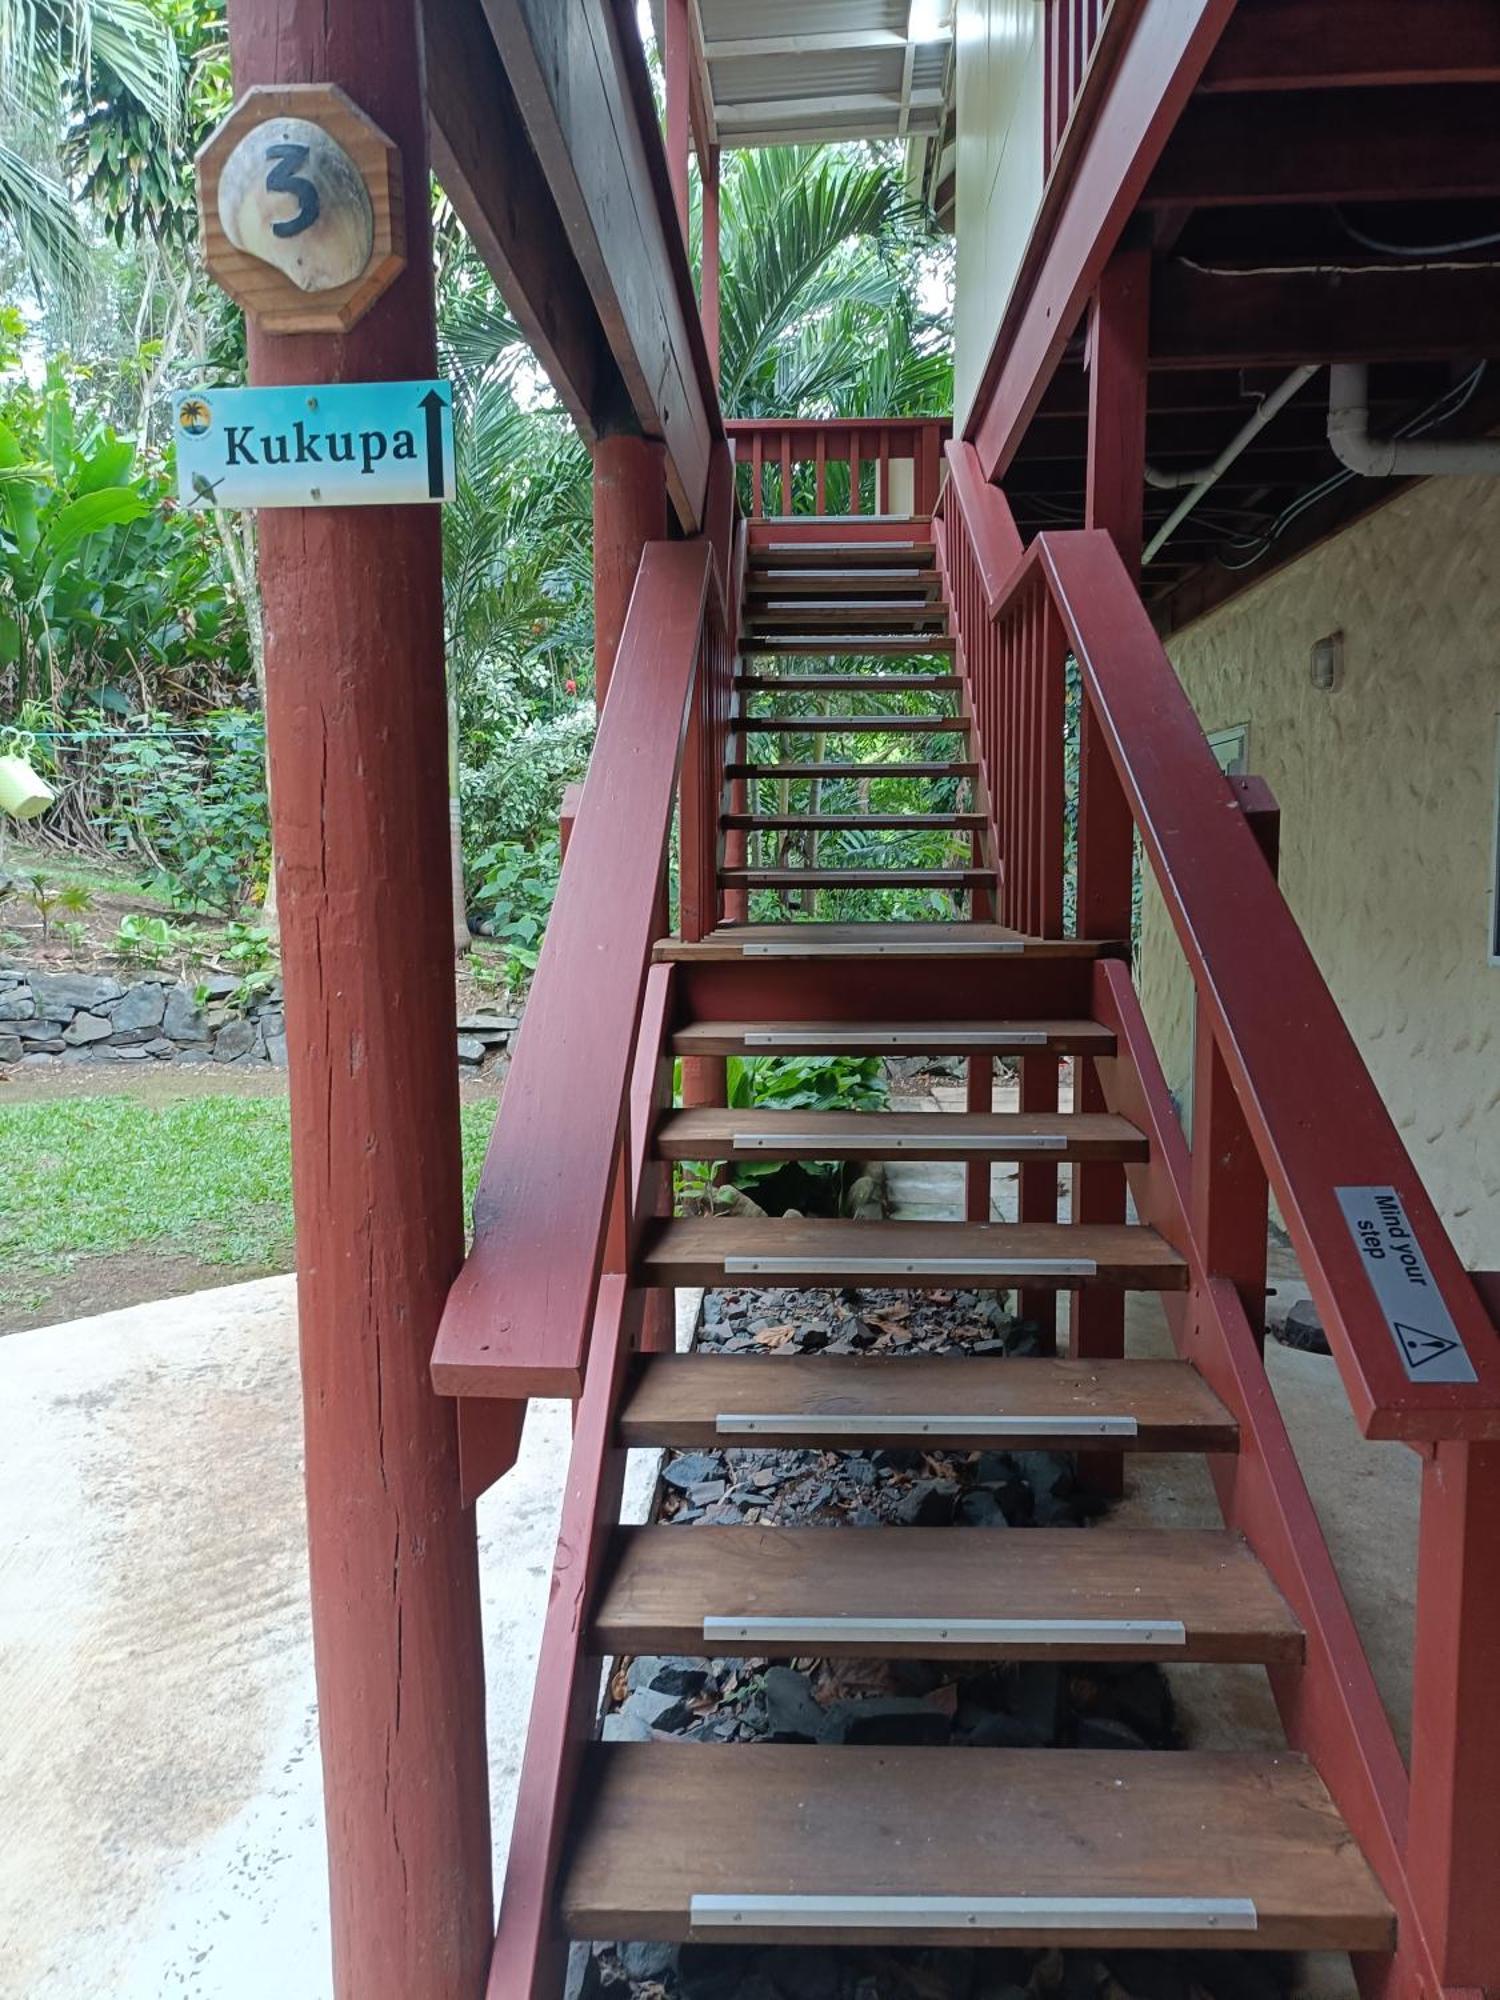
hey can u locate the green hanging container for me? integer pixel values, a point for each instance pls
(22, 793)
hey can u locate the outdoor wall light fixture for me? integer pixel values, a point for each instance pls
(1328, 662)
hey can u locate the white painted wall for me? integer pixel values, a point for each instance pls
(998, 171)
(1387, 791)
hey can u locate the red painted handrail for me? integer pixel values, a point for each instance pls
(519, 1316)
(773, 447)
(1312, 1110)
(1282, 1098)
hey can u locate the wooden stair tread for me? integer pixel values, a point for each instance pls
(922, 1400)
(1124, 1593)
(866, 585)
(861, 772)
(859, 878)
(816, 1250)
(879, 620)
(871, 645)
(717, 1134)
(850, 683)
(861, 725)
(954, 940)
(847, 555)
(874, 1038)
(963, 1823)
(857, 822)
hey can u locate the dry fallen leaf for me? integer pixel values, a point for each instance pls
(773, 1336)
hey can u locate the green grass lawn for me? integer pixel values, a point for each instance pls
(206, 1177)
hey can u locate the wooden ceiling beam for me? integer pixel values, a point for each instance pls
(1147, 62)
(1204, 319)
(582, 93)
(1410, 144)
(828, 41)
(499, 192)
(1310, 44)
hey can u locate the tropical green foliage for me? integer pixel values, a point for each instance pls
(122, 620)
(818, 301)
(512, 899)
(104, 585)
(789, 1083)
(60, 60)
(193, 806)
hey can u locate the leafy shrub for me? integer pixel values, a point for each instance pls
(512, 899)
(149, 942)
(794, 1083)
(46, 897)
(509, 787)
(104, 583)
(194, 804)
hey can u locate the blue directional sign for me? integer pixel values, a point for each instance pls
(345, 444)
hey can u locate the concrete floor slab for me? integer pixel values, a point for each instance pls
(159, 1764)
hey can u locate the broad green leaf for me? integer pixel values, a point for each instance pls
(86, 516)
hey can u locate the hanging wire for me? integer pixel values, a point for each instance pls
(1436, 413)
(1368, 242)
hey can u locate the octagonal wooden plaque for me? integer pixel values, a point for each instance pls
(328, 203)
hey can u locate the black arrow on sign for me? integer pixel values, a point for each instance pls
(434, 405)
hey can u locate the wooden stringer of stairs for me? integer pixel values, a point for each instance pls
(853, 1844)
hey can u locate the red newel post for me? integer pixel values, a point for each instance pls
(1453, 1832)
(355, 716)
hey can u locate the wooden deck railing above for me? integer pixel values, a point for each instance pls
(1071, 34)
(812, 466)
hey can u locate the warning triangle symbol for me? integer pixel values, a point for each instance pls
(1419, 1346)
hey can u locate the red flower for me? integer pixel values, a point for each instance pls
(570, 687)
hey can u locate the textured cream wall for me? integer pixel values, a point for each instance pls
(1387, 791)
(998, 171)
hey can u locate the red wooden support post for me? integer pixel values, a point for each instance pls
(356, 721)
(630, 510)
(1453, 1832)
(1119, 331)
(709, 269)
(1230, 1200)
(1118, 344)
(979, 1096)
(677, 61)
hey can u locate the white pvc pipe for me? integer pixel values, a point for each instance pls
(1208, 476)
(1389, 458)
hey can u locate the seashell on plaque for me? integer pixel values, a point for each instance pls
(291, 196)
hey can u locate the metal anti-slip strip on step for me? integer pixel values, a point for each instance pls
(886, 1141)
(948, 1913)
(854, 1423)
(915, 1267)
(831, 1631)
(896, 1038)
(929, 949)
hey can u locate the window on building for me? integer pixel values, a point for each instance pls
(1231, 748)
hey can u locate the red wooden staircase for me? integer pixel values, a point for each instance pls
(575, 1243)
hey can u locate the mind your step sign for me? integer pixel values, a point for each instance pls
(345, 444)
